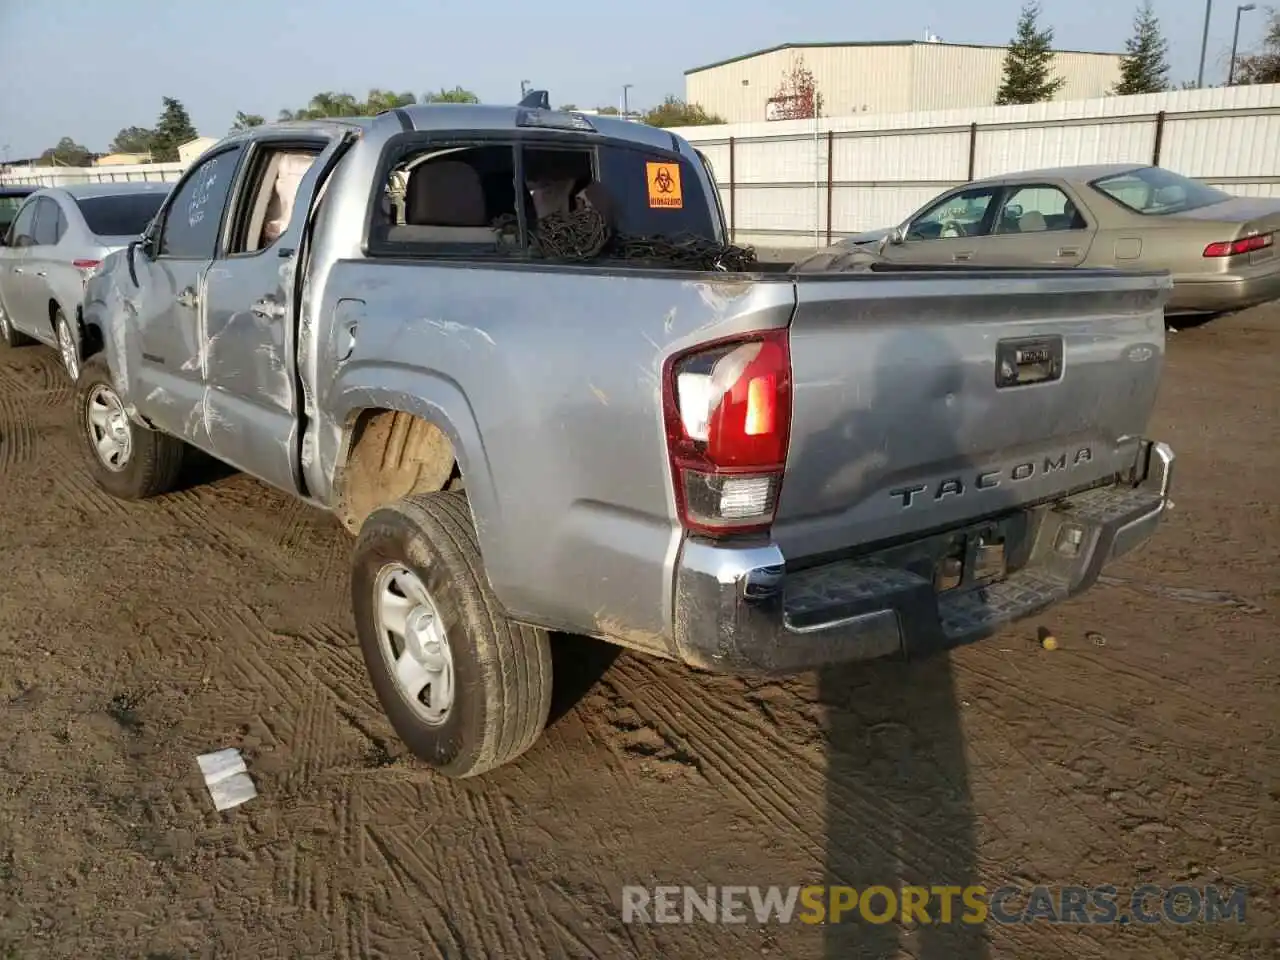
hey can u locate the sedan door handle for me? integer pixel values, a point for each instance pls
(960, 257)
(1068, 251)
(188, 298)
(268, 309)
(18, 270)
(41, 273)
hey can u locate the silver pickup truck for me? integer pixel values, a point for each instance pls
(513, 350)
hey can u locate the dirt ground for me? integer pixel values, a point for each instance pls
(134, 637)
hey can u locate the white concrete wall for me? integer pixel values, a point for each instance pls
(885, 167)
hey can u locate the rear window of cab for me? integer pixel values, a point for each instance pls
(499, 198)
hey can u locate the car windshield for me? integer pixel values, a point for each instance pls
(124, 215)
(8, 210)
(1153, 191)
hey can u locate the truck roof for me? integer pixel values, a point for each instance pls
(475, 116)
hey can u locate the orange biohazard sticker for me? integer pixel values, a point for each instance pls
(664, 186)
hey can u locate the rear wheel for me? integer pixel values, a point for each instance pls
(68, 347)
(126, 459)
(9, 336)
(464, 687)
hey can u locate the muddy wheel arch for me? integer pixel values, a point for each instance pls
(392, 454)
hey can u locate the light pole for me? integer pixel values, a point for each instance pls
(625, 109)
(1204, 42)
(1235, 41)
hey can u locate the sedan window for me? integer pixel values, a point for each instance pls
(1154, 191)
(1037, 207)
(125, 215)
(50, 223)
(21, 234)
(962, 214)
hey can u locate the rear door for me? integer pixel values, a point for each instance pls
(904, 418)
(169, 382)
(1036, 224)
(44, 268)
(253, 402)
(13, 268)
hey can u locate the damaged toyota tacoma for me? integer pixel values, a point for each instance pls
(514, 352)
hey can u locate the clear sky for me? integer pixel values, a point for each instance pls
(86, 68)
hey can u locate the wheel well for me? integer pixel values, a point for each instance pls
(392, 454)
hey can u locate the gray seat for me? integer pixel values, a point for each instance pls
(443, 203)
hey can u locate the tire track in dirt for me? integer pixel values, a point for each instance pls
(36, 376)
(18, 435)
(198, 512)
(78, 486)
(742, 756)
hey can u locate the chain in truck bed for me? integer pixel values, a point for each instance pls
(585, 234)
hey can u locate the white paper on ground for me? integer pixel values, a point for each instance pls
(227, 778)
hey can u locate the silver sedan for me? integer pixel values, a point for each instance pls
(58, 239)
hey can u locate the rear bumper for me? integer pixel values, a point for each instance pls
(738, 610)
(1219, 296)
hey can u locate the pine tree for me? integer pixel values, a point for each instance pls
(1029, 62)
(173, 130)
(1144, 68)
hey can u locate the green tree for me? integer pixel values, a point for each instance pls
(456, 95)
(1028, 64)
(567, 107)
(327, 104)
(246, 120)
(1145, 67)
(608, 111)
(132, 140)
(67, 153)
(674, 112)
(380, 100)
(173, 130)
(1263, 66)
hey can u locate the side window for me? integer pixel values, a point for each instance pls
(963, 214)
(48, 220)
(22, 233)
(194, 216)
(1036, 208)
(267, 201)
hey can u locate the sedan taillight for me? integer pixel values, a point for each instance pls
(1233, 248)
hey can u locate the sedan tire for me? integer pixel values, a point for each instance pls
(68, 345)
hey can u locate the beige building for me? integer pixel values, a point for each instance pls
(892, 77)
(122, 159)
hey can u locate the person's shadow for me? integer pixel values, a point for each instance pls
(899, 808)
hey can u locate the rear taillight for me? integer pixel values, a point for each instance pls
(87, 269)
(728, 416)
(1232, 248)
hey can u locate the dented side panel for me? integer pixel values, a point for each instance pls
(548, 385)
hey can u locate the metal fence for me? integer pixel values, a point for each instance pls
(804, 183)
(124, 173)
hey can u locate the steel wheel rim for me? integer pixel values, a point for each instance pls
(413, 643)
(67, 347)
(109, 428)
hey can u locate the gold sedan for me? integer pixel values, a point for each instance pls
(1220, 249)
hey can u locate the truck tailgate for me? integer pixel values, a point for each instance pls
(900, 421)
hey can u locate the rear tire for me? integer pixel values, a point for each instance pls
(8, 336)
(420, 556)
(68, 345)
(127, 460)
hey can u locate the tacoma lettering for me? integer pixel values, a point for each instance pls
(990, 479)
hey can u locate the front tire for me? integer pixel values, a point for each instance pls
(8, 335)
(126, 459)
(464, 687)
